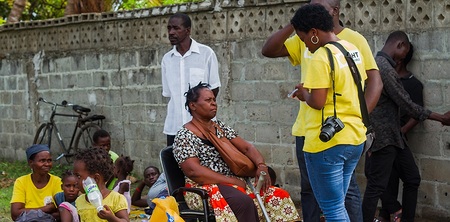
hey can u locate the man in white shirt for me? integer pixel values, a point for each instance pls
(187, 64)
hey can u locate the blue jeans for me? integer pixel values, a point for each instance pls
(310, 207)
(330, 173)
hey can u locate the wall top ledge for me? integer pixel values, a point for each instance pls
(206, 5)
(108, 16)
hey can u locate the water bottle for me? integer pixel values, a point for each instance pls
(93, 193)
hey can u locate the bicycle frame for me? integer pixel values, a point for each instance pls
(53, 126)
(58, 134)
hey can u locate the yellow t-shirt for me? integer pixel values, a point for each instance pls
(299, 55)
(25, 191)
(348, 110)
(87, 211)
(114, 157)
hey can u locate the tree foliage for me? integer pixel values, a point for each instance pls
(34, 9)
(46, 9)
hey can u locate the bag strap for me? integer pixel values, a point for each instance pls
(357, 78)
(214, 139)
(333, 76)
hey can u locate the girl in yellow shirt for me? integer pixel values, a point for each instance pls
(97, 164)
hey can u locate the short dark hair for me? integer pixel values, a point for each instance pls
(397, 36)
(101, 133)
(193, 94)
(152, 167)
(97, 161)
(312, 16)
(65, 174)
(186, 20)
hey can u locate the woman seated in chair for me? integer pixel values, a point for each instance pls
(230, 197)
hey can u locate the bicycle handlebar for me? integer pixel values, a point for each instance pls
(64, 103)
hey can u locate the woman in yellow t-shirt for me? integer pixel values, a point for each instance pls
(332, 157)
(35, 191)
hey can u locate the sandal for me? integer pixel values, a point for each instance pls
(397, 216)
(380, 219)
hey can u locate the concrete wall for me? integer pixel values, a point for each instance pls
(110, 63)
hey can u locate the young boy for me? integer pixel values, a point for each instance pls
(102, 140)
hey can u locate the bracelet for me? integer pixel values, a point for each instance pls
(261, 164)
(138, 190)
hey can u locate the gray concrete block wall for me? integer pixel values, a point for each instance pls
(111, 63)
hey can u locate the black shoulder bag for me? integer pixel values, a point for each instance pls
(370, 135)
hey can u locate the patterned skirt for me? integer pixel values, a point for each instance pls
(277, 202)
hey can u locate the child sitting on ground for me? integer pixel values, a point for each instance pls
(156, 181)
(102, 139)
(122, 168)
(66, 200)
(97, 164)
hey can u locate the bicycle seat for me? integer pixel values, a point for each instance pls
(80, 109)
(93, 118)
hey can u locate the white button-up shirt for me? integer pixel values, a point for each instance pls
(198, 64)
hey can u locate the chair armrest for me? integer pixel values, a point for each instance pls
(201, 192)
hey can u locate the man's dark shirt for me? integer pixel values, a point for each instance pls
(415, 90)
(385, 118)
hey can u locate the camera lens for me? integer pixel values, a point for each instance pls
(326, 133)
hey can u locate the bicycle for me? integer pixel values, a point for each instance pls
(82, 134)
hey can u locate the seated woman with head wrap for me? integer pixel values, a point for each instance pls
(230, 197)
(35, 191)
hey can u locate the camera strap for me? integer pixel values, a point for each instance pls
(357, 78)
(332, 74)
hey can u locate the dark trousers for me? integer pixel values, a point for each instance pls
(240, 203)
(389, 202)
(378, 170)
(310, 207)
(170, 139)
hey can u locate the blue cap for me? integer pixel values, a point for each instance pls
(36, 148)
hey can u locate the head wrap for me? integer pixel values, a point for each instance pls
(36, 148)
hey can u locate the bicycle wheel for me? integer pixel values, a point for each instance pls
(42, 135)
(84, 137)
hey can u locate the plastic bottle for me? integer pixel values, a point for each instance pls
(93, 193)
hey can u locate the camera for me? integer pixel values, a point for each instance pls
(331, 126)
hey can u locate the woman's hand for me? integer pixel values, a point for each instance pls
(300, 92)
(266, 183)
(203, 175)
(49, 208)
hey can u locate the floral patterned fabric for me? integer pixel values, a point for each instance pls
(277, 201)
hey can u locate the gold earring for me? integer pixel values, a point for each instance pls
(312, 39)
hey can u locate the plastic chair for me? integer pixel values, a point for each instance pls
(175, 184)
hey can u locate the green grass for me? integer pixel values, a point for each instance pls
(9, 172)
